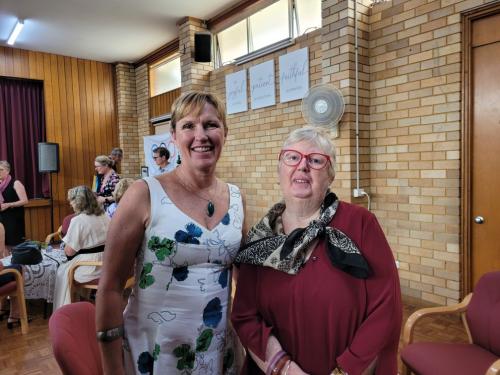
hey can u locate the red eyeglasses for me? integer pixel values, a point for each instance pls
(315, 160)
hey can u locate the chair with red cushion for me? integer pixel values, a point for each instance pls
(73, 335)
(481, 356)
(16, 289)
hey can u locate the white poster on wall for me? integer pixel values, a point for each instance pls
(262, 92)
(294, 75)
(151, 142)
(236, 92)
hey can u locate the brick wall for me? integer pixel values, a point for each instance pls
(143, 124)
(126, 105)
(415, 65)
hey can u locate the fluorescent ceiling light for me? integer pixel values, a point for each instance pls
(17, 29)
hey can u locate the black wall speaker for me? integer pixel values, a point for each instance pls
(48, 157)
(202, 47)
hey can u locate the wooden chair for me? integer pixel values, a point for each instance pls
(480, 314)
(16, 289)
(75, 286)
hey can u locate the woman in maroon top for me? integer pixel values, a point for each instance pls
(318, 290)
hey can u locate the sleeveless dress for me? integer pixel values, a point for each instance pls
(176, 317)
(12, 218)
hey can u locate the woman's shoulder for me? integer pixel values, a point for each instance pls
(354, 210)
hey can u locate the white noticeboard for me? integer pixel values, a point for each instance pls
(262, 91)
(236, 92)
(151, 142)
(294, 75)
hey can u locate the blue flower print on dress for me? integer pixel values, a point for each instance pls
(226, 219)
(192, 231)
(145, 363)
(212, 313)
(178, 273)
(223, 277)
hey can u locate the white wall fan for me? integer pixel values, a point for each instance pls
(323, 105)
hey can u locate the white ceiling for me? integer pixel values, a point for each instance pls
(101, 30)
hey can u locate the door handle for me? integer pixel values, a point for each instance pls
(479, 219)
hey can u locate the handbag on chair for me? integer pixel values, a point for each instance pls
(27, 253)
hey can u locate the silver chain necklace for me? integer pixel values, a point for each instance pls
(210, 209)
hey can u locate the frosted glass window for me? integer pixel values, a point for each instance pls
(309, 15)
(270, 25)
(233, 42)
(165, 76)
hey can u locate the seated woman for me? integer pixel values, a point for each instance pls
(318, 290)
(84, 241)
(14, 306)
(120, 189)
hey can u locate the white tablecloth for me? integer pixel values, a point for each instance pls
(40, 279)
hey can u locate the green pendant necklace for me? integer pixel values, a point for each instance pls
(210, 209)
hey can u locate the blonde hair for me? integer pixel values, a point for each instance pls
(84, 201)
(104, 160)
(192, 102)
(317, 136)
(121, 187)
(5, 164)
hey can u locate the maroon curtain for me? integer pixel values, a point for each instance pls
(22, 126)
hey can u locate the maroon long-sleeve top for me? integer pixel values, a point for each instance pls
(323, 316)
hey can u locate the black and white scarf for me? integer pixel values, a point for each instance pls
(268, 246)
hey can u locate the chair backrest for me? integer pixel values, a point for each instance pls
(72, 331)
(483, 313)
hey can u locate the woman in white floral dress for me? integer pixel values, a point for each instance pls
(183, 230)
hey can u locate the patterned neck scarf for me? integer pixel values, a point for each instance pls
(3, 185)
(268, 246)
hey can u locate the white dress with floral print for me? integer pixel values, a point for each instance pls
(176, 317)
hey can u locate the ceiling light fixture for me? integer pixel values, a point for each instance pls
(15, 33)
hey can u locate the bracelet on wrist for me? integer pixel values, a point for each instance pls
(110, 334)
(274, 360)
(280, 365)
(287, 367)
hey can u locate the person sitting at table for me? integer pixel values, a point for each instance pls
(14, 306)
(84, 241)
(120, 189)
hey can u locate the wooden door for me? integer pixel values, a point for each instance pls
(485, 147)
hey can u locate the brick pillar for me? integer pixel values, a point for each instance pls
(194, 75)
(143, 125)
(126, 99)
(338, 62)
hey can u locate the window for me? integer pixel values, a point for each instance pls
(165, 75)
(267, 30)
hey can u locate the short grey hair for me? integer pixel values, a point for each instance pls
(104, 160)
(5, 164)
(317, 136)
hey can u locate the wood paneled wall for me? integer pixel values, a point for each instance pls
(79, 114)
(162, 104)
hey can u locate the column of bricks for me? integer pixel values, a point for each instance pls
(126, 100)
(143, 124)
(194, 75)
(338, 70)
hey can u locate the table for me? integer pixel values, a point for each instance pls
(40, 279)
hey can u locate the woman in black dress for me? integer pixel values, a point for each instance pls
(12, 199)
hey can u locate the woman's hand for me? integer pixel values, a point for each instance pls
(4, 206)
